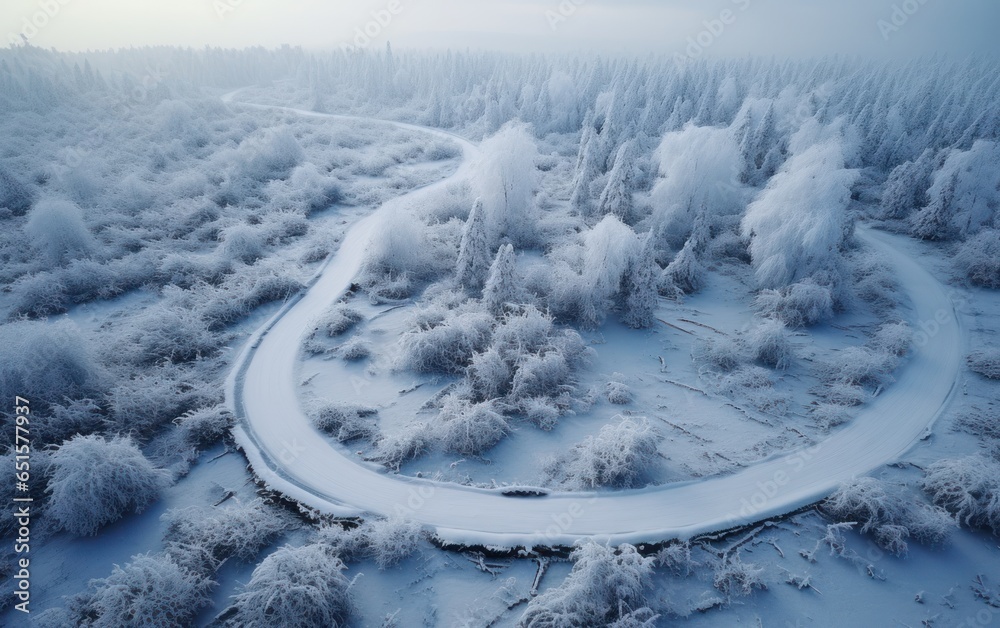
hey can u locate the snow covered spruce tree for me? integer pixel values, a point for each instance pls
(616, 200)
(94, 482)
(607, 585)
(501, 288)
(475, 251)
(639, 286)
(295, 586)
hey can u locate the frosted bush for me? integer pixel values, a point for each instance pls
(174, 333)
(768, 342)
(272, 156)
(389, 541)
(830, 415)
(979, 258)
(448, 347)
(94, 482)
(346, 421)
(14, 195)
(406, 444)
(205, 426)
(733, 577)
(540, 375)
(969, 488)
(888, 514)
(799, 305)
(354, 350)
(617, 391)
(860, 366)
(56, 229)
(542, 412)
(986, 362)
(754, 385)
(244, 243)
(236, 531)
(398, 250)
(39, 295)
(143, 403)
(47, 362)
(873, 279)
(295, 586)
(843, 394)
(893, 338)
(617, 457)
(151, 591)
(677, 558)
(489, 375)
(469, 429)
(720, 354)
(605, 584)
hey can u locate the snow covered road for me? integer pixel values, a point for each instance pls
(289, 455)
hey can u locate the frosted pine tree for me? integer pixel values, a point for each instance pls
(588, 168)
(906, 187)
(474, 252)
(616, 199)
(501, 287)
(639, 287)
(934, 221)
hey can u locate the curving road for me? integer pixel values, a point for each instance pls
(291, 457)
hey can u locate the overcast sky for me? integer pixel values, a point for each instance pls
(763, 27)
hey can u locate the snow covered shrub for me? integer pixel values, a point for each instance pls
(168, 332)
(873, 279)
(242, 242)
(469, 429)
(798, 224)
(541, 411)
(685, 273)
(397, 254)
(47, 362)
(861, 366)
(354, 350)
(843, 394)
(346, 421)
(768, 342)
(406, 444)
(617, 391)
(979, 258)
(893, 338)
(56, 229)
(14, 195)
(206, 425)
(890, 516)
(39, 295)
(339, 320)
(449, 346)
(677, 558)
(505, 179)
(906, 188)
(639, 288)
(157, 395)
(272, 156)
(754, 385)
(389, 541)
(830, 415)
(617, 457)
(295, 586)
(606, 585)
(236, 531)
(316, 189)
(969, 488)
(986, 362)
(719, 354)
(94, 482)
(698, 167)
(489, 375)
(799, 305)
(151, 591)
(244, 291)
(733, 577)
